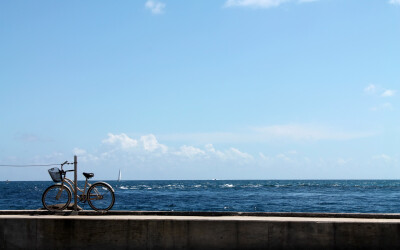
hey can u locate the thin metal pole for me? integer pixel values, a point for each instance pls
(75, 183)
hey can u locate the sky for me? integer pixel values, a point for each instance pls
(221, 89)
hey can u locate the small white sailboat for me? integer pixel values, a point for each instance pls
(119, 175)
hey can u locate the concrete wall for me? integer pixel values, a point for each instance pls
(195, 232)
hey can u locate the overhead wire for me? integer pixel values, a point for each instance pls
(28, 165)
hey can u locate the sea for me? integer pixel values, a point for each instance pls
(325, 196)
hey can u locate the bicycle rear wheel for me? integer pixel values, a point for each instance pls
(56, 197)
(100, 197)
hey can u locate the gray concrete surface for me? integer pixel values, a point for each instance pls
(40, 230)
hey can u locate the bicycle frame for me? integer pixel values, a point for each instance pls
(84, 197)
(71, 185)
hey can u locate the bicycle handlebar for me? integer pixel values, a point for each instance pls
(66, 162)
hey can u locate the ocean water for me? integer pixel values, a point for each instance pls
(333, 196)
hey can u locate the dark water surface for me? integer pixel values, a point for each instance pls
(333, 196)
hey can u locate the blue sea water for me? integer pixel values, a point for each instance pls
(333, 196)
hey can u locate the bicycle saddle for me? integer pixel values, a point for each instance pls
(88, 175)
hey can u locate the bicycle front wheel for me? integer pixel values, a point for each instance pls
(56, 197)
(100, 197)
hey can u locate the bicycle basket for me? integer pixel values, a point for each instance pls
(55, 174)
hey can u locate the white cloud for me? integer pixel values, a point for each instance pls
(283, 157)
(121, 140)
(370, 89)
(264, 157)
(190, 151)
(388, 93)
(83, 155)
(236, 153)
(382, 157)
(383, 106)
(150, 143)
(254, 3)
(155, 7)
(148, 147)
(373, 89)
(394, 2)
(230, 154)
(341, 161)
(79, 151)
(210, 149)
(380, 92)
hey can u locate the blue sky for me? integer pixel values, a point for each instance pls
(226, 89)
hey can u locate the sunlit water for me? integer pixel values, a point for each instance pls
(334, 196)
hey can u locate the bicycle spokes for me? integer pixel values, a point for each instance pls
(101, 197)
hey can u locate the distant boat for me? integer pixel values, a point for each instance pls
(119, 176)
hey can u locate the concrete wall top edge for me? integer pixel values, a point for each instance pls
(201, 218)
(208, 214)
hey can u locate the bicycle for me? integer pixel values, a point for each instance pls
(100, 195)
